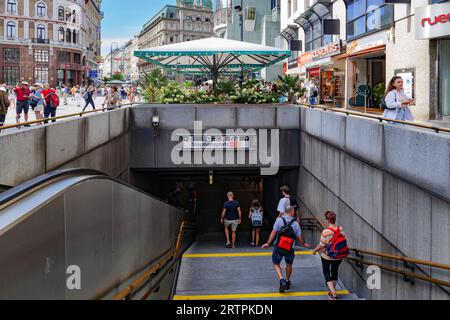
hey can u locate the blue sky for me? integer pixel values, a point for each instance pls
(124, 18)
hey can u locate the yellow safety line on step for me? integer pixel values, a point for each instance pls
(258, 295)
(235, 255)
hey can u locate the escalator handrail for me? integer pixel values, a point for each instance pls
(11, 194)
(23, 188)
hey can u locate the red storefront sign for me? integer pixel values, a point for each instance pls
(443, 18)
(314, 73)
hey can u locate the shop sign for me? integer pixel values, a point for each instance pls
(327, 51)
(320, 54)
(433, 21)
(293, 64)
(314, 73)
(375, 40)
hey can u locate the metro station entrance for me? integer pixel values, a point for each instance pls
(205, 191)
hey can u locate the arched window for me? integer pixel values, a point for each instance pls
(11, 6)
(11, 29)
(68, 35)
(61, 13)
(61, 34)
(41, 9)
(74, 36)
(74, 16)
(40, 32)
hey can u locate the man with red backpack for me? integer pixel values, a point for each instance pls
(333, 248)
(51, 102)
(286, 231)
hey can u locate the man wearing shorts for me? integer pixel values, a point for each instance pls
(286, 220)
(23, 103)
(231, 217)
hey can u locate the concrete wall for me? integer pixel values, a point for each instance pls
(99, 141)
(390, 186)
(148, 151)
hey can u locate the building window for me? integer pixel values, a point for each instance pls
(11, 75)
(40, 31)
(250, 13)
(68, 35)
(11, 6)
(365, 16)
(61, 36)
(11, 54)
(61, 13)
(41, 56)
(41, 74)
(11, 30)
(77, 58)
(41, 9)
(64, 57)
(74, 36)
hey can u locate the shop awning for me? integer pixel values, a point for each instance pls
(318, 11)
(290, 32)
(364, 52)
(213, 56)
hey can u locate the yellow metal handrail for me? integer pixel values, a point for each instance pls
(40, 121)
(174, 253)
(379, 118)
(395, 258)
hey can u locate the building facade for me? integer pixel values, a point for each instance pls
(261, 24)
(49, 41)
(352, 57)
(188, 20)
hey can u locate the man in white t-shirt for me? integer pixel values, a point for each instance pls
(287, 201)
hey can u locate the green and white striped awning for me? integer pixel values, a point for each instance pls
(213, 56)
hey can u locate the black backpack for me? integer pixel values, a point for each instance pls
(286, 238)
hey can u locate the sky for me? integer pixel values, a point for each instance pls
(125, 18)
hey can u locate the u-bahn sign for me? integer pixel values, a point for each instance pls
(214, 142)
(433, 21)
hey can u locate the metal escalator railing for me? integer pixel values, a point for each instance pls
(13, 197)
(408, 262)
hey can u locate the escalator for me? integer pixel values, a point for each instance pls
(80, 234)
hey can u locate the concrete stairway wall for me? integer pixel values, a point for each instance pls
(390, 186)
(99, 141)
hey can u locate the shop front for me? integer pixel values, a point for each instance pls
(365, 66)
(433, 24)
(325, 73)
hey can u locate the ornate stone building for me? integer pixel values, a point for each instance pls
(188, 20)
(54, 41)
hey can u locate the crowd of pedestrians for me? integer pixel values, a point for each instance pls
(286, 232)
(43, 100)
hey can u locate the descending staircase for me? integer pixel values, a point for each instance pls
(211, 272)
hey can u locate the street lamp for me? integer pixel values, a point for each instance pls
(111, 55)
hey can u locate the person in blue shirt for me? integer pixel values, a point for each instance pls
(277, 256)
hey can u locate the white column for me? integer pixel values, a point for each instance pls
(26, 30)
(26, 8)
